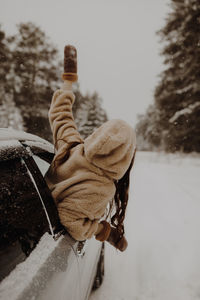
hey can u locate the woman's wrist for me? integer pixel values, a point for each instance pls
(99, 229)
(103, 231)
(67, 85)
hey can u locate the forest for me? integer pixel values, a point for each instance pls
(171, 123)
(30, 72)
(31, 67)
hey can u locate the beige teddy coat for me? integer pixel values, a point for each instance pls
(83, 184)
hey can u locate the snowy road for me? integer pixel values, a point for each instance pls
(162, 261)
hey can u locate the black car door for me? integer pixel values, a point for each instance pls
(22, 218)
(30, 259)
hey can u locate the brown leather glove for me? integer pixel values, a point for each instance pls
(115, 240)
(104, 233)
(111, 235)
(70, 64)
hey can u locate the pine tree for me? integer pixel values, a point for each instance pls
(88, 113)
(9, 114)
(4, 63)
(177, 95)
(148, 131)
(30, 72)
(35, 76)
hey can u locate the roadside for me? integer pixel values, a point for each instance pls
(162, 260)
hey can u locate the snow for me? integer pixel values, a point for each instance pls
(185, 111)
(186, 88)
(9, 144)
(9, 139)
(40, 145)
(12, 134)
(10, 148)
(12, 286)
(162, 227)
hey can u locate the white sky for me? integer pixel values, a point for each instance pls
(118, 50)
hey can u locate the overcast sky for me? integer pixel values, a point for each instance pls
(118, 50)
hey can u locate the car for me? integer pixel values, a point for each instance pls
(38, 258)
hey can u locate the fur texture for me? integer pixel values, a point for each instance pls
(82, 184)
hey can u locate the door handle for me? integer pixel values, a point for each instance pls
(81, 247)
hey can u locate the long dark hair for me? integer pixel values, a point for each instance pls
(120, 200)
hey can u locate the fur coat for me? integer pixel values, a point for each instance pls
(82, 183)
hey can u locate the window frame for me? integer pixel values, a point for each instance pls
(44, 193)
(17, 243)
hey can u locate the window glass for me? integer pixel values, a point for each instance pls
(22, 218)
(42, 164)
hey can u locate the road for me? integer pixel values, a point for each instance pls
(162, 261)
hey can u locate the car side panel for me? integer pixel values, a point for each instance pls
(50, 272)
(87, 265)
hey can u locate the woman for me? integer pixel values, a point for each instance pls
(86, 175)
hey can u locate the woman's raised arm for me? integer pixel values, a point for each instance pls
(61, 118)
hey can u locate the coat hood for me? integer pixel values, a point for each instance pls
(111, 147)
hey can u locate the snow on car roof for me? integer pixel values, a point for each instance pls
(10, 146)
(38, 145)
(11, 149)
(12, 134)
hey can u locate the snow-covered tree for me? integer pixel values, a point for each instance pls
(4, 63)
(35, 74)
(88, 113)
(148, 131)
(9, 114)
(172, 122)
(30, 71)
(177, 95)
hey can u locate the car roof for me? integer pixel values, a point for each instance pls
(13, 143)
(13, 134)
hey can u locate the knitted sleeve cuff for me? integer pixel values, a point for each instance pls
(104, 233)
(73, 77)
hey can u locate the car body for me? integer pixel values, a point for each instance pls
(38, 258)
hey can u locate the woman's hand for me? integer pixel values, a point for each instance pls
(70, 64)
(115, 240)
(105, 232)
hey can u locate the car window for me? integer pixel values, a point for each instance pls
(42, 164)
(22, 217)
